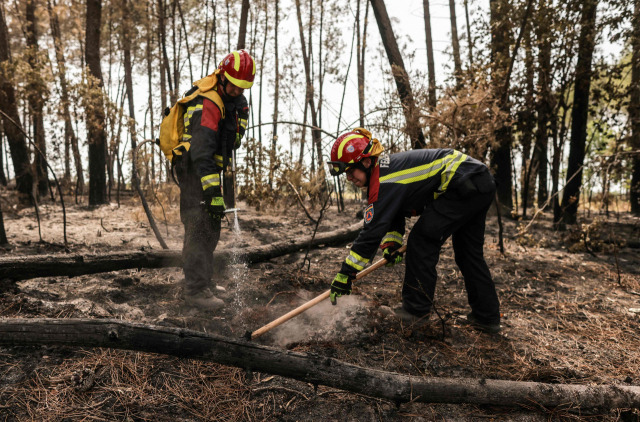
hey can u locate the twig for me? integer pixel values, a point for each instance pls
(302, 203)
(102, 225)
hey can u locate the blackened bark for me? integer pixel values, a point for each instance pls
(545, 104)
(97, 136)
(430, 62)
(500, 42)
(15, 137)
(634, 111)
(527, 124)
(580, 113)
(399, 74)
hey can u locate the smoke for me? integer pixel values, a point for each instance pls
(324, 322)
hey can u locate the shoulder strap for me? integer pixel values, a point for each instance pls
(206, 87)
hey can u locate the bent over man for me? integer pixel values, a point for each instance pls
(450, 191)
(212, 129)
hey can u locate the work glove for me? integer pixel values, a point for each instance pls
(341, 285)
(391, 254)
(213, 202)
(238, 140)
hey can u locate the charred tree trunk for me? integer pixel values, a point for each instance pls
(97, 136)
(634, 111)
(545, 104)
(527, 124)
(69, 133)
(457, 69)
(500, 43)
(36, 94)
(15, 138)
(3, 233)
(311, 368)
(399, 74)
(580, 113)
(430, 62)
(26, 267)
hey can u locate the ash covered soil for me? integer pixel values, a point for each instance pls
(570, 303)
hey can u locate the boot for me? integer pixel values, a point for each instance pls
(204, 300)
(411, 320)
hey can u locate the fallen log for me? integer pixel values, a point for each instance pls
(16, 268)
(312, 368)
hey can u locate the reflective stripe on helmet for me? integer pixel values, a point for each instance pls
(236, 60)
(238, 82)
(344, 143)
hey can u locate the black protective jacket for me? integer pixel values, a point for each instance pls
(213, 137)
(403, 185)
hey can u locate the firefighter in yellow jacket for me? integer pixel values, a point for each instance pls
(450, 191)
(212, 133)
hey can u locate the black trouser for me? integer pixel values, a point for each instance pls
(201, 233)
(460, 213)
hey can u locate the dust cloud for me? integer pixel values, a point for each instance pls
(324, 322)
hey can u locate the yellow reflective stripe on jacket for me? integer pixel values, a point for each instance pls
(243, 123)
(392, 237)
(356, 261)
(448, 173)
(210, 180)
(219, 160)
(425, 171)
(187, 119)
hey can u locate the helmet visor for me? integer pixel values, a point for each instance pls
(336, 168)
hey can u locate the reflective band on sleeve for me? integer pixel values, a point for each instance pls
(219, 160)
(356, 261)
(448, 173)
(243, 123)
(423, 172)
(392, 237)
(210, 180)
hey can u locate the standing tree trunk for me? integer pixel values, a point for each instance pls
(580, 112)
(399, 74)
(469, 38)
(242, 31)
(276, 98)
(360, 57)
(69, 133)
(545, 102)
(306, 57)
(500, 42)
(455, 44)
(36, 94)
(527, 124)
(430, 62)
(97, 136)
(634, 111)
(9, 106)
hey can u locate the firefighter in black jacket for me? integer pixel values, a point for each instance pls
(450, 191)
(212, 134)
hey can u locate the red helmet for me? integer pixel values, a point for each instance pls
(351, 148)
(239, 68)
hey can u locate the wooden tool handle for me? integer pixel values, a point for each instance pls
(300, 309)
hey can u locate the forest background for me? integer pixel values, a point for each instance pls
(530, 87)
